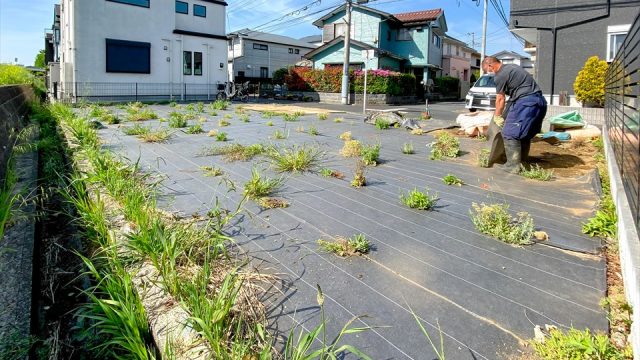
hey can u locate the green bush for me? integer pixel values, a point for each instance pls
(447, 84)
(589, 84)
(18, 75)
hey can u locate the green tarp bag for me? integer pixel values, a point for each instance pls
(571, 119)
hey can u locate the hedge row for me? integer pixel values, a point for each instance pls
(330, 80)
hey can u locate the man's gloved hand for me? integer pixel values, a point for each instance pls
(499, 120)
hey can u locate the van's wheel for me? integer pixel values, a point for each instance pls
(473, 110)
(221, 96)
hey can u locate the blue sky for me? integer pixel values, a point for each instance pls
(22, 22)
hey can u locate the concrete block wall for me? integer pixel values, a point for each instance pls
(14, 105)
(373, 99)
(593, 116)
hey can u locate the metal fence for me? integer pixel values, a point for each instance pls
(622, 106)
(115, 92)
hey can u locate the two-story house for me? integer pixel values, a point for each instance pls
(565, 34)
(511, 57)
(161, 46)
(457, 58)
(256, 55)
(407, 42)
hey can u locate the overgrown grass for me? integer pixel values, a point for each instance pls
(178, 121)
(351, 148)
(235, 152)
(576, 344)
(451, 179)
(260, 186)
(382, 124)
(313, 131)
(110, 119)
(195, 129)
(445, 145)
(140, 114)
(323, 116)
(417, 199)
(279, 135)
(346, 136)
(290, 117)
(244, 118)
(296, 159)
(156, 136)
(268, 114)
(355, 245)
(495, 220)
(536, 172)
(136, 130)
(220, 105)
(604, 223)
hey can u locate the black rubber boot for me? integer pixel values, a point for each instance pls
(513, 149)
(525, 146)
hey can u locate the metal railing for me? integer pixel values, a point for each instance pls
(622, 112)
(114, 92)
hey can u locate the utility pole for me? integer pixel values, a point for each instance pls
(484, 34)
(347, 48)
(473, 39)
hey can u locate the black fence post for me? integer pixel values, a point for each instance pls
(136, 91)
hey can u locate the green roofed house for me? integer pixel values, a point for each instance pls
(407, 42)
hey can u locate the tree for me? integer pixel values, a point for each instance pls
(39, 62)
(589, 84)
(278, 75)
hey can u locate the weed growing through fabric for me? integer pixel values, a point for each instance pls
(359, 180)
(346, 136)
(536, 172)
(446, 145)
(313, 131)
(239, 110)
(244, 118)
(136, 130)
(156, 136)
(407, 148)
(235, 152)
(110, 119)
(190, 107)
(439, 350)
(351, 148)
(576, 344)
(212, 171)
(200, 107)
(173, 104)
(268, 114)
(212, 133)
(223, 123)
(269, 123)
(382, 124)
(259, 186)
(356, 245)
(370, 154)
(221, 136)
(299, 158)
(213, 113)
(482, 159)
(195, 129)
(290, 117)
(279, 135)
(220, 105)
(326, 172)
(417, 199)
(451, 179)
(605, 222)
(495, 220)
(272, 203)
(338, 120)
(323, 116)
(142, 115)
(178, 122)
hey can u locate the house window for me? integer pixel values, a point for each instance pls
(297, 51)
(260, 47)
(199, 10)
(241, 74)
(615, 37)
(264, 72)
(182, 7)
(143, 3)
(339, 29)
(405, 34)
(290, 50)
(436, 41)
(197, 63)
(187, 63)
(128, 56)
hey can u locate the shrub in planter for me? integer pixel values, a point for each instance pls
(589, 84)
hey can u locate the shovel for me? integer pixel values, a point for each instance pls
(494, 137)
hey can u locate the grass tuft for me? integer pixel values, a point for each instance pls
(235, 152)
(323, 116)
(446, 145)
(296, 159)
(338, 120)
(382, 124)
(279, 135)
(536, 172)
(351, 148)
(313, 131)
(417, 199)
(576, 344)
(220, 105)
(223, 123)
(156, 136)
(136, 130)
(326, 172)
(356, 245)
(195, 129)
(177, 120)
(482, 159)
(258, 186)
(451, 179)
(359, 180)
(495, 220)
(370, 154)
(407, 148)
(221, 136)
(346, 136)
(211, 171)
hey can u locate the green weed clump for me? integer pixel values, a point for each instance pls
(370, 154)
(235, 152)
(482, 159)
(356, 245)
(313, 131)
(338, 120)
(495, 220)
(220, 105)
(451, 179)
(136, 130)
(269, 123)
(259, 186)
(407, 148)
(244, 118)
(195, 129)
(268, 114)
(295, 159)
(417, 199)
(97, 111)
(576, 344)
(604, 223)
(536, 172)
(173, 104)
(323, 116)
(359, 180)
(446, 145)
(326, 172)
(221, 136)
(351, 148)
(177, 120)
(279, 135)
(211, 171)
(290, 117)
(223, 123)
(200, 107)
(155, 136)
(110, 119)
(382, 124)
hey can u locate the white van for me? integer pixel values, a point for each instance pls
(482, 94)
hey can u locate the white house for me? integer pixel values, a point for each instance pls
(510, 57)
(114, 49)
(256, 54)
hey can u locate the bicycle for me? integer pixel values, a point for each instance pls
(231, 91)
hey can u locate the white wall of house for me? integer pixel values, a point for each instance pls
(86, 25)
(250, 60)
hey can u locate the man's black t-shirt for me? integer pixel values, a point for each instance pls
(514, 81)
